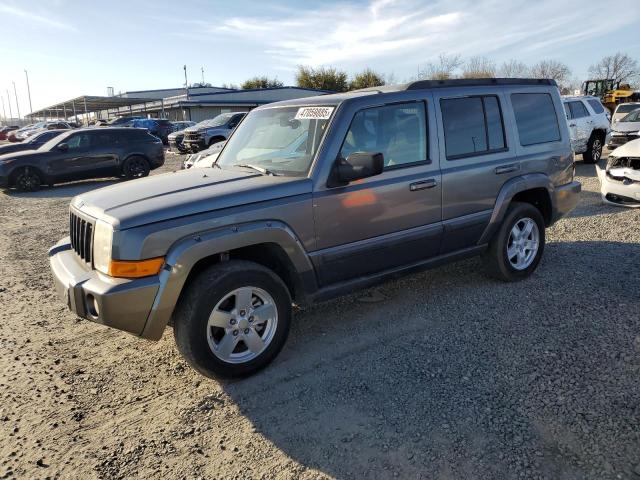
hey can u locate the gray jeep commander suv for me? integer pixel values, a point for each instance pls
(389, 180)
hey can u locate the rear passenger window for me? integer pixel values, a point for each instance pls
(472, 126)
(398, 131)
(535, 117)
(596, 105)
(578, 110)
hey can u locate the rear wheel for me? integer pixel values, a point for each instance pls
(27, 179)
(517, 247)
(135, 167)
(233, 319)
(594, 149)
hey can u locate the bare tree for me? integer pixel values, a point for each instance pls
(513, 69)
(443, 69)
(479, 67)
(553, 69)
(620, 67)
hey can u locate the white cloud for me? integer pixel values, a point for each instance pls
(414, 31)
(29, 16)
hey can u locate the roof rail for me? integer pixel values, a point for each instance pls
(477, 82)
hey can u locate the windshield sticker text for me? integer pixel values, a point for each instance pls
(314, 113)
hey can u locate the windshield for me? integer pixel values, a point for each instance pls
(632, 117)
(282, 140)
(217, 121)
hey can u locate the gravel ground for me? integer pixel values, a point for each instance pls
(444, 374)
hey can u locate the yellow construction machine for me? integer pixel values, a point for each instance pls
(611, 92)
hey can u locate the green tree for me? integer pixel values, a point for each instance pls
(365, 79)
(261, 82)
(322, 78)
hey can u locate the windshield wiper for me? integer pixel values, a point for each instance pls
(262, 170)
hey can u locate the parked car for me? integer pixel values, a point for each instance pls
(121, 121)
(620, 180)
(158, 127)
(626, 129)
(4, 131)
(11, 136)
(55, 125)
(204, 158)
(588, 126)
(32, 143)
(176, 138)
(208, 132)
(81, 154)
(391, 179)
(622, 110)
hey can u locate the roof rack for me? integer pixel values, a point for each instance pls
(477, 82)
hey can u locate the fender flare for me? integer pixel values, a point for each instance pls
(185, 253)
(509, 190)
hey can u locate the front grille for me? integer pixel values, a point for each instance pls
(192, 137)
(81, 232)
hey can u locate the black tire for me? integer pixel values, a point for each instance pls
(594, 149)
(191, 316)
(135, 166)
(27, 179)
(497, 262)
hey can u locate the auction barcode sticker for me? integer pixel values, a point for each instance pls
(314, 113)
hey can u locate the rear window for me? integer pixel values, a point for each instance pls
(578, 110)
(472, 126)
(596, 105)
(136, 135)
(536, 118)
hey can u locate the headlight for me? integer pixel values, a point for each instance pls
(102, 237)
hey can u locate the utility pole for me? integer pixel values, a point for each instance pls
(186, 83)
(4, 112)
(202, 70)
(15, 92)
(9, 102)
(28, 92)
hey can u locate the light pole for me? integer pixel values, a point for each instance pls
(202, 70)
(9, 102)
(186, 83)
(4, 112)
(28, 92)
(15, 92)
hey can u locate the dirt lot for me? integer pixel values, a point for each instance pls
(444, 374)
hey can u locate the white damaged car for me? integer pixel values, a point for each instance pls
(620, 179)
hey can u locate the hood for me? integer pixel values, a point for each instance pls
(182, 193)
(629, 149)
(176, 133)
(16, 147)
(626, 126)
(24, 155)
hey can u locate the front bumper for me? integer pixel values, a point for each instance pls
(616, 140)
(194, 145)
(565, 198)
(615, 192)
(119, 303)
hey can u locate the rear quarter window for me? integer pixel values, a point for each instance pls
(536, 118)
(596, 105)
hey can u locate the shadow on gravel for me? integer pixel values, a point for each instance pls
(64, 189)
(453, 375)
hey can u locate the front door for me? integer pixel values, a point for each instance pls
(389, 220)
(579, 126)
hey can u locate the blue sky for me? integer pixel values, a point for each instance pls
(72, 48)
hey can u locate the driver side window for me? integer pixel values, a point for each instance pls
(79, 141)
(397, 131)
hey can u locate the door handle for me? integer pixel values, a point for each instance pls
(572, 124)
(507, 168)
(423, 185)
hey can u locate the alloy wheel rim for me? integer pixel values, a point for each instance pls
(523, 243)
(136, 168)
(242, 325)
(596, 151)
(27, 181)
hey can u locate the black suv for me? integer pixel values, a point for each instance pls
(82, 154)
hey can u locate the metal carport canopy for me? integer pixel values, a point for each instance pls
(93, 104)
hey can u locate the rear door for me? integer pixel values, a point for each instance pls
(389, 220)
(478, 157)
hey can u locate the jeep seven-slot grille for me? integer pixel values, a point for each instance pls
(81, 232)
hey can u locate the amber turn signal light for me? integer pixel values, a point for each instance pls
(135, 269)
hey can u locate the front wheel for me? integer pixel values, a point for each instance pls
(27, 180)
(135, 167)
(516, 249)
(233, 319)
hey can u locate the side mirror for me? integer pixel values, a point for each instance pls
(63, 147)
(356, 166)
